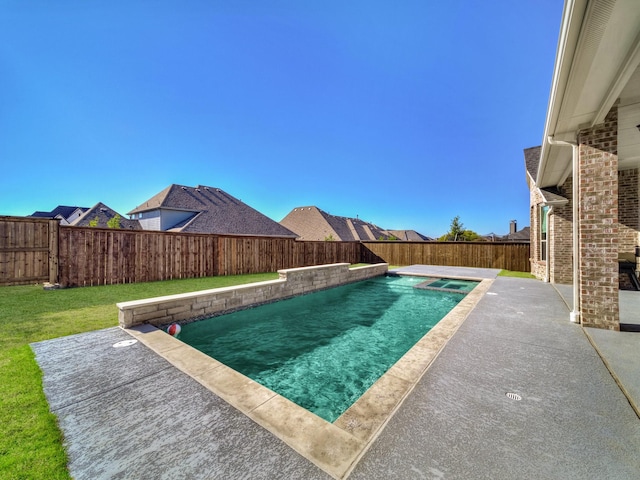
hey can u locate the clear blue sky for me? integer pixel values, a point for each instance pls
(405, 113)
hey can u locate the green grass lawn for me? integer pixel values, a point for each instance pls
(510, 273)
(30, 441)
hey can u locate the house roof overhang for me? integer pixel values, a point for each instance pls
(597, 61)
(552, 198)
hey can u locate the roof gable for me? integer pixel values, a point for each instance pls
(309, 223)
(523, 235)
(312, 223)
(410, 236)
(157, 201)
(61, 211)
(102, 214)
(215, 211)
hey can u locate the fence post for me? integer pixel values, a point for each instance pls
(54, 238)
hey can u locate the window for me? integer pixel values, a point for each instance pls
(543, 232)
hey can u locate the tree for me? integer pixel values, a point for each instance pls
(114, 222)
(94, 222)
(457, 233)
(471, 236)
(456, 229)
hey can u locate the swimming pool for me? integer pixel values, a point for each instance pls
(324, 350)
(333, 447)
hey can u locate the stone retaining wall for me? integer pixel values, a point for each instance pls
(192, 306)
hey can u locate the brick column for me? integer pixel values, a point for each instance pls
(598, 227)
(561, 237)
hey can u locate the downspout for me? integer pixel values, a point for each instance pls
(547, 248)
(574, 316)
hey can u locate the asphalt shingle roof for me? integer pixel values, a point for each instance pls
(553, 196)
(104, 214)
(532, 160)
(312, 223)
(63, 210)
(214, 211)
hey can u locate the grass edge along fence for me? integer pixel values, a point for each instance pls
(40, 250)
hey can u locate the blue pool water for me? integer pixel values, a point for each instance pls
(324, 350)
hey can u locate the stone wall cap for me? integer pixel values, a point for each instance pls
(312, 267)
(199, 293)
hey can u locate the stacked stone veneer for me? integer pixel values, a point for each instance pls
(207, 303)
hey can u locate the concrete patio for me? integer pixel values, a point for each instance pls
(127, 413)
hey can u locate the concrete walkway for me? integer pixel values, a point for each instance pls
(127, 413)
(620, 351)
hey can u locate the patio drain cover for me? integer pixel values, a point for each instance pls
(125, 343)
(513, 396)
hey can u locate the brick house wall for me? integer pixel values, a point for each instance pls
(559, 235)
(629, 210)
(629, 219)
(598, 233)
(609, 224)
(560, 229)
(562, 238)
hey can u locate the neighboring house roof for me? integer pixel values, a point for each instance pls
(523, 235)
(312, 223)
(212, 211)
(102, 214)
(61, 212)
(410, 236)
(154, 202)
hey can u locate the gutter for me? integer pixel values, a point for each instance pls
(574, 316)
(573, 15)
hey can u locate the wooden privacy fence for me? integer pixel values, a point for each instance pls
(91, 256)
(38, 250)
(28, 250)
(503, 255)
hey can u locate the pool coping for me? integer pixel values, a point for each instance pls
(334, 447)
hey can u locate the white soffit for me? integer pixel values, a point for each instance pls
(628, 121)
(600, 66)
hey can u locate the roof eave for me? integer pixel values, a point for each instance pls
(565, 52)
(598, 53)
